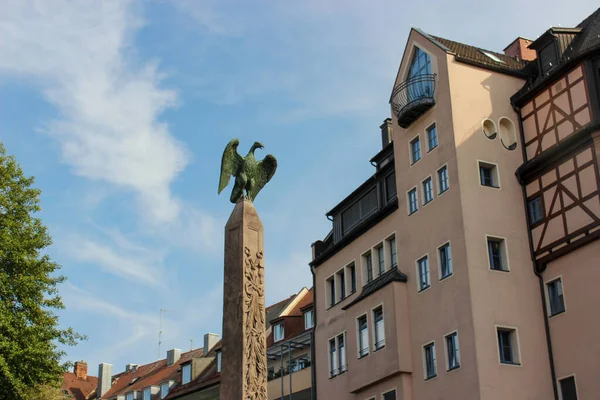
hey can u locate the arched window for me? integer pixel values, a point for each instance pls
(508, 135)
(489, 128)
(420, 66)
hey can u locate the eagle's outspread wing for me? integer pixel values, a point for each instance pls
(230, 163)
(264, 172)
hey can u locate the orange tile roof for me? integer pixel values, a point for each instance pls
(152, 374)
(79, 388)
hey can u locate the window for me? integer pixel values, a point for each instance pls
(427, 191)
(536, 212)
(556, 299)
(390, 186)
(219, 360)
(369, 266)
(493, 57)
(488, 175)
(507, 345)
(393, 251)
(341, 353)
(415, 150)
(445, 261)
(391, 395)
(359, 210)
(332, 358)
(497, 254)
(147, 394)
(309, 321)
(443, 179)
(453, 353)
(420, 65)
(568, 388)
(331, 289)
(378, 328)
(429, 357)
(129, 396)
(164, 390)
(278, 332)
(380, 259)
(186, 373)
(432, 138)
(352, 269)
(413, 201)
(547, 56)
(363, 337)
(423, 267)
(341, 278)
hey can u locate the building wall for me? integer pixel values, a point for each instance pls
(445, 306)
(508, 299)
(575, 332)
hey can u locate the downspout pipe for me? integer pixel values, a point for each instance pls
(313, 364)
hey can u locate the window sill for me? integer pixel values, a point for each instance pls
(490, 186)
(556, 314)
(453, 368)
(441, 192)
(377, 348)
(443, 278)
(427, 202)
(411, 213)
(331, 376)
(499, 270)
(424, 289)
(510, 363)
(362, 356)
(430, 377)
(432, 149)
(414, 162)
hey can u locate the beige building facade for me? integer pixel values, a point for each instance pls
(437, 276)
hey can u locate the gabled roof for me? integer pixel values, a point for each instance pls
(79, 388)
(476, 56)
(152, 374)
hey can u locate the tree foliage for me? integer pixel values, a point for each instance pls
(29, 328)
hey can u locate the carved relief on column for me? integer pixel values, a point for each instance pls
(255, 367)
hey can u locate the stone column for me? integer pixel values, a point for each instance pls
(244, 366)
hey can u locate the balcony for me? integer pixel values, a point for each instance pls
(412, 98)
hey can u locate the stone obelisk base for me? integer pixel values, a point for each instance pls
(244, 366)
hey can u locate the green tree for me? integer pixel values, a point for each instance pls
(29, 328)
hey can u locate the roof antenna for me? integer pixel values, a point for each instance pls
(191, 344)
(162, 311)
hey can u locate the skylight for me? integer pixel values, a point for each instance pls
(493, 57)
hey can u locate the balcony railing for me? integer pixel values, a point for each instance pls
(412, 98)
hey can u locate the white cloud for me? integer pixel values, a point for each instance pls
(79, 53)
(140, 266)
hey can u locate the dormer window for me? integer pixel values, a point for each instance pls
(308, 319)
(186, 374)
(278, 332)
(164, 389)
(219, 359)
(548, 57)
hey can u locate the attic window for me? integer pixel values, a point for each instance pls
(493, 57)
(134, 380)
(548, 58)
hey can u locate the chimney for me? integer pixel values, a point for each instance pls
(104, 379)
(386, 132)
(210, 339)
(131, 367)
(173, 356)
(80, 370)
(519, 48)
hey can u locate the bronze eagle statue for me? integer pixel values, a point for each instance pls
(250, 175)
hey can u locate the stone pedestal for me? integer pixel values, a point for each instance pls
(244, 366)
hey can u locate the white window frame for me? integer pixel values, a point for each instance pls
(364, 266)
(381, 246)
(574, 376)
(454, 332)
(547, 294)
(375, 348)
(410, 152)
(434, 123)
(147, 390)
(358, 340)
(275, 332)
(388, 391)
(495, 174)
(311, 320)
(388, 244)
(183, 369)
(424, 360)
(408, 202)
(162, 394)
(337, 346)
(438, 181)
(419, 289)
(328, 303)
(130, 396)
(348, 275)
(423, 191)
(340, 284)
(439, 259)
(504, 251)
(333, 372)
(219, 357)
(515, 342)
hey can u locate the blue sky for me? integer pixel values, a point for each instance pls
(121, 110)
